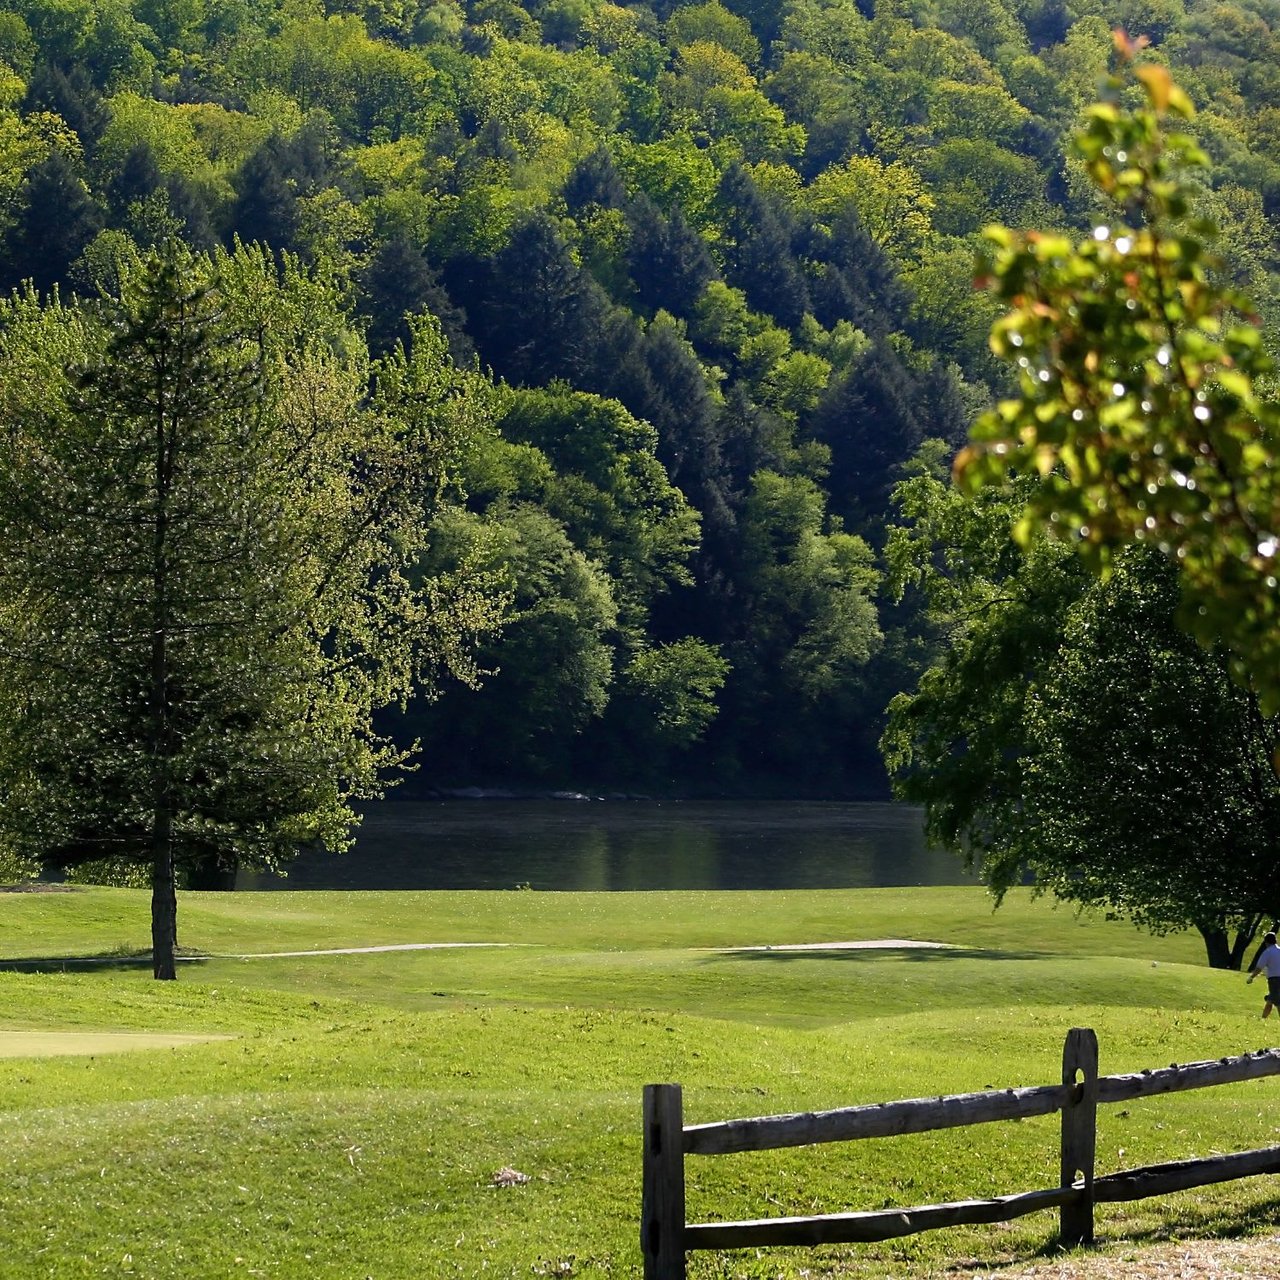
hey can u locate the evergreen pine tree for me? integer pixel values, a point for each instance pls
(71, 95)
(399, 282)
(940, 406)
(869, 421)
(757, 251)
(669, 262)
(57, 220)
(533, 313)
(595, 181)
(265, 209)
(851, 277)
(188, 206)
(196, 496)
(137, 178)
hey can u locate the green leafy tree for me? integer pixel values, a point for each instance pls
(675, 686)
(208, 528)
(1143, 401)
(950, 316)
(715, 24)
(608, 489)
(24, 144)
(712, 91)
(979, 182)
(1072, 732)
(1149, 783)
(991, 25)
(956, 744)
(579, 517)
(551, 669)
(985, 111)
(17, 48)
(807, 624)
(890, 202)
(825, 98)
(676, 174)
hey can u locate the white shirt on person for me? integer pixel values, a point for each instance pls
(1269, 961)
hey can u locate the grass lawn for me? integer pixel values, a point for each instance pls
(351, 1114)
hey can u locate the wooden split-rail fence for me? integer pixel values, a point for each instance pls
(665, 1236)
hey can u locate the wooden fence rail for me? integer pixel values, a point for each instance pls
(665, 1236)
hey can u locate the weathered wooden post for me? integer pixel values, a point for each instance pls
(662, 1200)
(1079, 1134)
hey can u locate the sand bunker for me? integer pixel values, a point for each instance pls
(47, 1044)
(865, 944)
(346, 951)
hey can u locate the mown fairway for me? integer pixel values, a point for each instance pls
(353, 1122)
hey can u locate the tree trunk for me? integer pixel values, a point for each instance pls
(1217, 947)
(164, 898)
(1222, 951)
(1244, 939)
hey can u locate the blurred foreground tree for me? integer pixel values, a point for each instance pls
(1143, 400)
(210, 514)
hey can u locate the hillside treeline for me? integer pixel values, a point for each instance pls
(715, 261)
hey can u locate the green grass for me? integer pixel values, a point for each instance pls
(353, 1125)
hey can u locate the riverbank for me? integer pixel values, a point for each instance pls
(359, 1120)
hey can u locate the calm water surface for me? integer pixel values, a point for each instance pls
(568, 844)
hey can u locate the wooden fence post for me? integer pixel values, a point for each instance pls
(1079, 1134)
(662, 1203)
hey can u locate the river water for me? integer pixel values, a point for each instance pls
(627, 845)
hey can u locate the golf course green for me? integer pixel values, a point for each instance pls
(364, 1112)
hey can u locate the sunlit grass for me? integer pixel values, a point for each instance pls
(96, 921)
(354, 1125)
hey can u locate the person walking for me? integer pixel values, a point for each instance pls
(1268, 961)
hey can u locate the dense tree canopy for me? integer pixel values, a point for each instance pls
(1150, 780)
(750, 225)
(210, 525)
(1074, 734)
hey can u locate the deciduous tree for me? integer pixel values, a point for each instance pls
(1071, 733)
(1142, 398)
(1149, 785)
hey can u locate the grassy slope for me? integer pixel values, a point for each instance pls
(353, 1126)
(90, 922)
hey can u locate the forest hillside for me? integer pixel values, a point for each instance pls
(714, 265)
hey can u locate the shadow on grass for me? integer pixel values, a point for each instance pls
(1198, 1222)
(1185, 1227)
(915, 955)
(87, 964)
